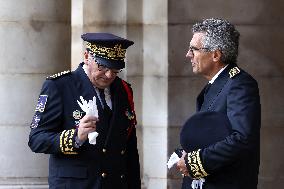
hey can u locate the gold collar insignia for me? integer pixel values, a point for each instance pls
(234, 71)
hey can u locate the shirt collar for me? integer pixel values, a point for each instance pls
(217, 74)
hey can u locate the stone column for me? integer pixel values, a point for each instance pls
(35, 42)
(77, 45)
(155, 93)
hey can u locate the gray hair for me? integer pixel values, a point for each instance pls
(219, 35)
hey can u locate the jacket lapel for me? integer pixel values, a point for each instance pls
(215, 89)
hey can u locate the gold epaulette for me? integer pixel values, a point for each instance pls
(57, 75)
(234, 71)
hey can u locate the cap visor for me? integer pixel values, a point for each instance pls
(113, 64)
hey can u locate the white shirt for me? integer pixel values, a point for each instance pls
(107, 96)
(217, 74)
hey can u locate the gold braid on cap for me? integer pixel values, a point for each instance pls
(112, 53)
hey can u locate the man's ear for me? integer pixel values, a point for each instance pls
(86, 56)
(217, 55)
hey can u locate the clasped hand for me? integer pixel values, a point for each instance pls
(88, 122)
(181, 165)
(87, 125)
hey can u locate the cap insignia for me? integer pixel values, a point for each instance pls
(234, 71)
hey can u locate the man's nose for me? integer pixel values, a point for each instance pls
(189, 54)
(109, 74)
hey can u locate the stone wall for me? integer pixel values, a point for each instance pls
(39, 39)
(35, 42)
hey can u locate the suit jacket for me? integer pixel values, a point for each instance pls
(112, 163)
(233, 162)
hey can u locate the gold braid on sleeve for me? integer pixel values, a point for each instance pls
(66, 142)
(195, 166)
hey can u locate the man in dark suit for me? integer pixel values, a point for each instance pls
(231, 163)
(60, 126)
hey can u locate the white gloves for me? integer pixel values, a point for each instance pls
(91, 109)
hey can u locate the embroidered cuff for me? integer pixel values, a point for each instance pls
(194, 165)
(66, 142)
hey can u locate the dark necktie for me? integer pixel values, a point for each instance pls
(207, 87)
(103, 99)
(106, 114)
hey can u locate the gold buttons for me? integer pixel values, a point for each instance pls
(104, 150)
(122, 152)
(104, 175)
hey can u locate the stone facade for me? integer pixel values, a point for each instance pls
(39, 39)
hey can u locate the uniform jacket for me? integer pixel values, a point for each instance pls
(112, 163)
(232, 163)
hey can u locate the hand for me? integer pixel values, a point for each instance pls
(87, 125)
(181, 165)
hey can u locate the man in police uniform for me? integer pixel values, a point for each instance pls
(231, 163)
(60, 127)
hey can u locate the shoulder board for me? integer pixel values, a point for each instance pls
(234, 71)
(57, 75)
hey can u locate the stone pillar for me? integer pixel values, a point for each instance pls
(77, 45)
(134, 66)
(155, 93)
(35, 42)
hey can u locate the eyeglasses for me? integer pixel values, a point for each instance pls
(104, 69)
(192, 48)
